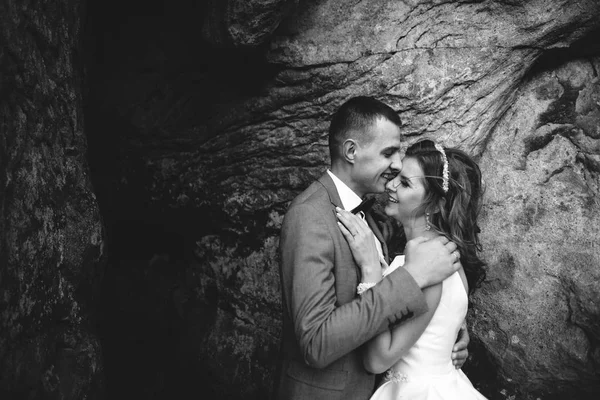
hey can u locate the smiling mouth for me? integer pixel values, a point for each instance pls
(388, 176)
(392, 200)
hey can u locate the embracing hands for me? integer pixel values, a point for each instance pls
(460, 351)
(362, 244)
(431, 261)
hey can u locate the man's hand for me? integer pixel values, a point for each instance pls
(460, 351)
(431, 261)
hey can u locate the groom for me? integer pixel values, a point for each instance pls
(324, 321)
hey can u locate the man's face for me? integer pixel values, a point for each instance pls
(378, 161)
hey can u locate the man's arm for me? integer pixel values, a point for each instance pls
(325, 331)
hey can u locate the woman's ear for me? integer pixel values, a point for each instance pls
(349, 148)
(436, 208)
(441, 205)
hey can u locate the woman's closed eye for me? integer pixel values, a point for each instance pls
(400, 181)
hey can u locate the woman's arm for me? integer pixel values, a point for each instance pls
(387, 348)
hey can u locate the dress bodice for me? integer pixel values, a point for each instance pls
(426, 371)
(431, 354)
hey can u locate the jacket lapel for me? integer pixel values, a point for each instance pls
(329, 185)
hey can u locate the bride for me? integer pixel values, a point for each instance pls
(438, 192)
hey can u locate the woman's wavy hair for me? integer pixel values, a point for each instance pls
(453, 213)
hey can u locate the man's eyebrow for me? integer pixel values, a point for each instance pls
(391, 148)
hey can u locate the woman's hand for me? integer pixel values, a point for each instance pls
(362, 244)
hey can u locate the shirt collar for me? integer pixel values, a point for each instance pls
(348, 197)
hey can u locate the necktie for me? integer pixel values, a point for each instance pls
(364, 206)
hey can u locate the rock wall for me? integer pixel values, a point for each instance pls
(210, 149)
(537, 314)
(51, 236)
(243, 24)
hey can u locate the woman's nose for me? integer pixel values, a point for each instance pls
(393, 184)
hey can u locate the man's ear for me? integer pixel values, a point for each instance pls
(349, 148)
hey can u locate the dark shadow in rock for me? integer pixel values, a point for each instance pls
(551, 59)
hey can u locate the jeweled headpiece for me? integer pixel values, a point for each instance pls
(445, 171)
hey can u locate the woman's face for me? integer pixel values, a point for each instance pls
(406, 192)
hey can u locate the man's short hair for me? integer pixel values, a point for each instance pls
(355, 117)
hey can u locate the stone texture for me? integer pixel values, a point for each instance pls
(228, 143)
(538, 312)
(51, 236)
(239, 23)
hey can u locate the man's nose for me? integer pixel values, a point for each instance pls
(396, 165)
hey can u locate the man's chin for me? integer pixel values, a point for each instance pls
(378, 190)
(381, 188)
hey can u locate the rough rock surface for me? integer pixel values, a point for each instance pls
(51, 236)
(538, 313)
(242, 23)
(216, 151)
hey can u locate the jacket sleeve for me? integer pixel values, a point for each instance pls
(324, 331)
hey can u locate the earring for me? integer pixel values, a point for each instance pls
(427, 225)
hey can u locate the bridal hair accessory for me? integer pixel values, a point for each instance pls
(445, 171)
(364, 286)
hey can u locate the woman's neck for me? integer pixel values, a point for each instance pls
(416, 228)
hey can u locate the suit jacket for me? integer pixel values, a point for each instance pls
(324, 321)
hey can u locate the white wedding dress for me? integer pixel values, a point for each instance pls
(426, 371)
